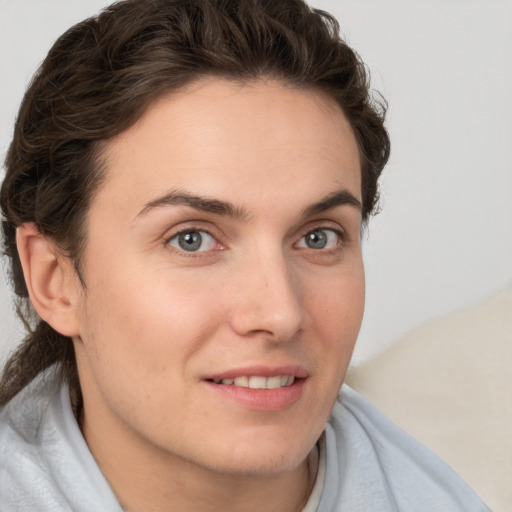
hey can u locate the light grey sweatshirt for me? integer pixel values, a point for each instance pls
(367, 463)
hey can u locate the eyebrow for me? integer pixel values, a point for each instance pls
(339, 198)
(181, 198)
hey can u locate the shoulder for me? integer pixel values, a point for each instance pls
(45, 464)
(21, 418)
(374, 465)
(24, 433)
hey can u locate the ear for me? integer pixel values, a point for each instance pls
(50, 278)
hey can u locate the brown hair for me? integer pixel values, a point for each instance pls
(101, 75)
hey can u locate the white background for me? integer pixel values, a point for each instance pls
(444, 238)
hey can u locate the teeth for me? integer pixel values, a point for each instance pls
(274, 382)
(259, 382)
(242, 381)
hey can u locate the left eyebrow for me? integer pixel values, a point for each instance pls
(339, 198)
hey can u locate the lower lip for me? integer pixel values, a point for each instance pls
(261, 399)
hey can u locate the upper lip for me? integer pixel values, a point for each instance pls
(294, 370)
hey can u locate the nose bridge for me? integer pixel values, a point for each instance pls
(269, 295)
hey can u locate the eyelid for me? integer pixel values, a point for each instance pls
(189, 226)
(324, 224)
(336, 232)
(177, 231)
(205, 240)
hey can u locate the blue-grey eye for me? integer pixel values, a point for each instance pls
(319, 239)
(193, 241)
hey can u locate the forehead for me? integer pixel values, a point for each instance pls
(262, 136)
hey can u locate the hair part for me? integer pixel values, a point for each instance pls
(100, 77)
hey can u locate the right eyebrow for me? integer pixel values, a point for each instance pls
(206, 204)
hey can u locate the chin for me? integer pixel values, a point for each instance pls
(268, 467)
(260, 459)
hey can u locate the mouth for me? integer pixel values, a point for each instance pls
(257, 381)
(260, 388)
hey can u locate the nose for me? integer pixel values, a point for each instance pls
(267, 298)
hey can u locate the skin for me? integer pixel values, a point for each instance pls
(155, 320)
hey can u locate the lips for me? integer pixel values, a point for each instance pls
(260, 387)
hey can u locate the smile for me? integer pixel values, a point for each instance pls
(260, 392)
(258, 382)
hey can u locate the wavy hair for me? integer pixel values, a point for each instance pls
(101, 75)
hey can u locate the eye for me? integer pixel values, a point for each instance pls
(320, 239)
(193, 241)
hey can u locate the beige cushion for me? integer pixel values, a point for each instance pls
(449, 384)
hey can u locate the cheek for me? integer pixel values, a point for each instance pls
(146, 323)
(165, 307)
(337, 314)
(338, 306)
(140, 340)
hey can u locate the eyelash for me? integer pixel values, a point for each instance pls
(340, 234)
(191, 229)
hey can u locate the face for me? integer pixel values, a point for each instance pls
(224, 278)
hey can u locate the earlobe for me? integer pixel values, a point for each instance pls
(48, 279)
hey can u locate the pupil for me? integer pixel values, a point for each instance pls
(190, 241)
(316, 239)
